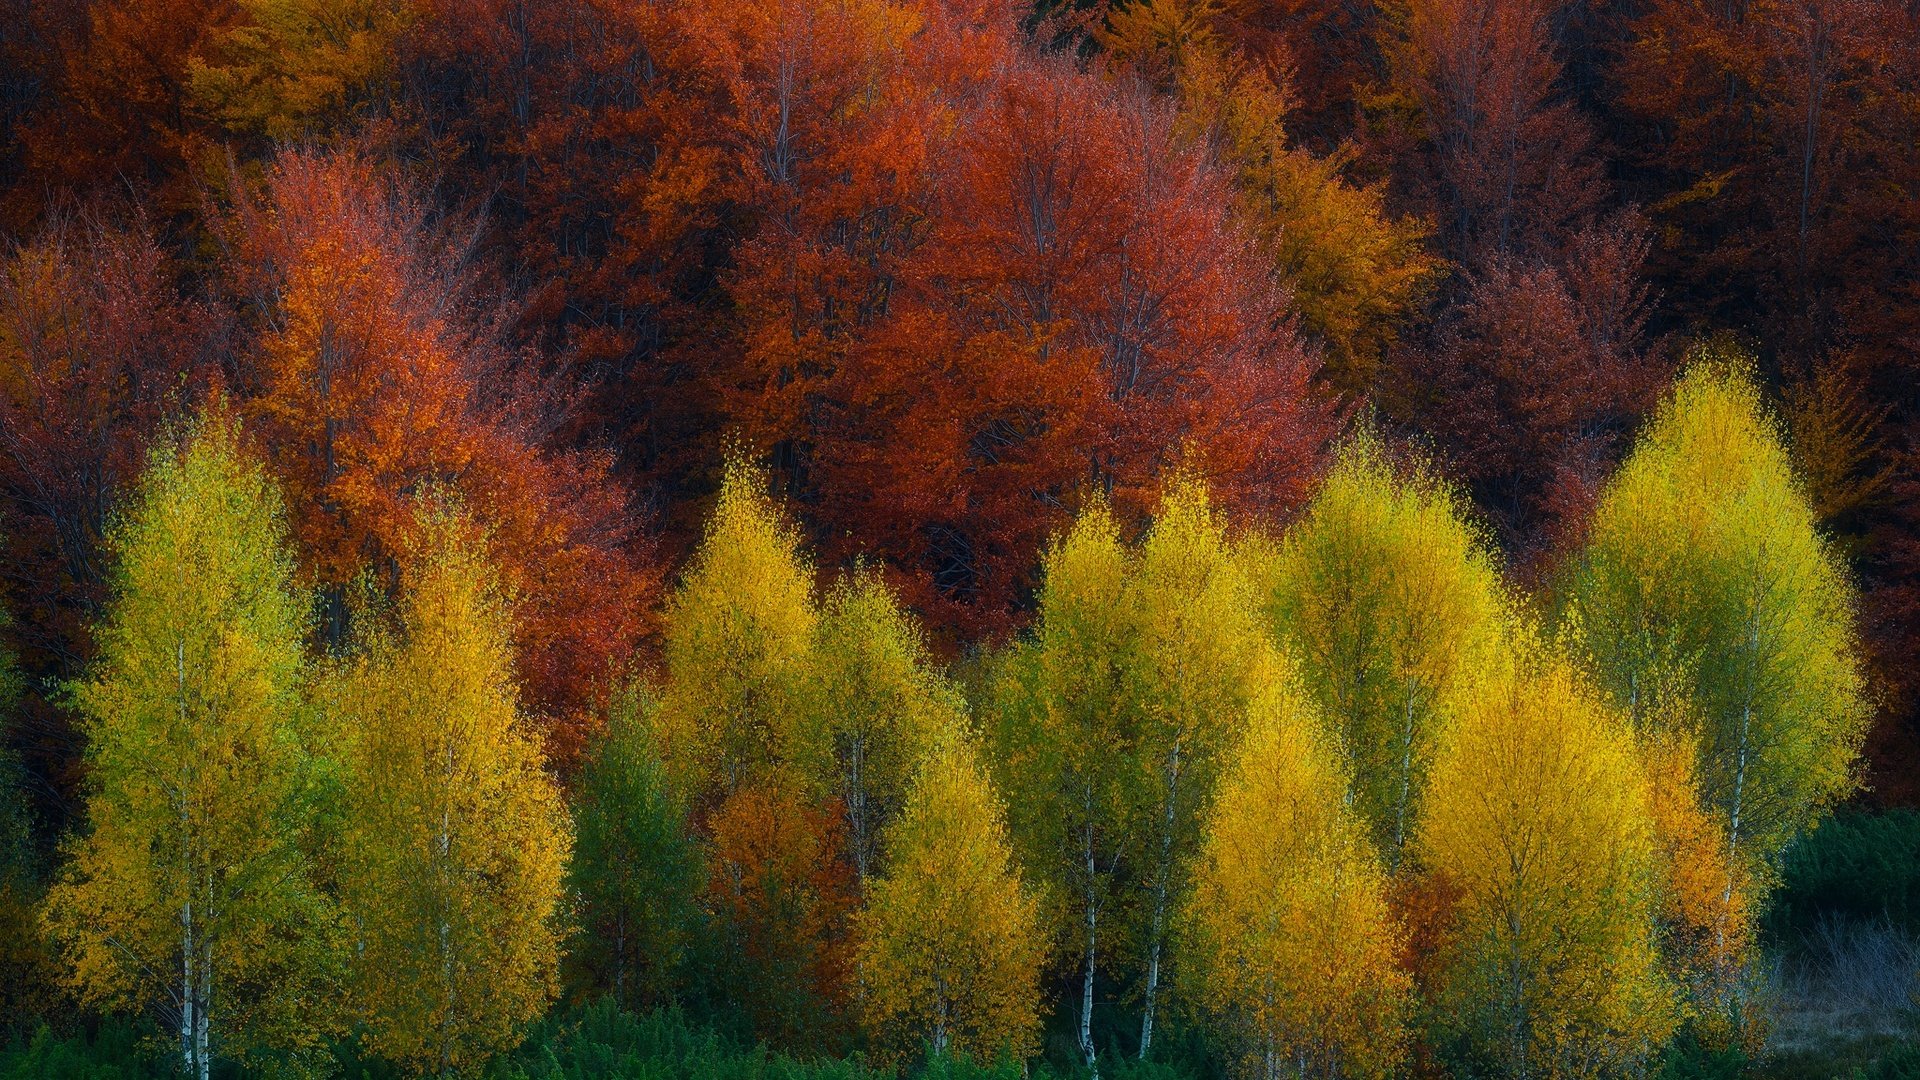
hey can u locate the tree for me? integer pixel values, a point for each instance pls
(636, 867)
(950, 947)
(1196, 656)
(1388, 599)
(1082, 306)
(1502, 162)
(869, 703)
(454, 840)
(1354, 273)
(1295, 948)
(294, 68)
(96, 347)
(1062, 742)
(1534, 381)
(1540, 819)
(738, 630)
(781, 897)
(188, 891)
(1713, 610)
(375, 372)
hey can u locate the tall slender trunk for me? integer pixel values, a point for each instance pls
(1160, 888)
(1093, 925)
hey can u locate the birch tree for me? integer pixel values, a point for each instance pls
(1386, 598)
(1295, 951)
(1713, 611)
(186, 892)
(1540, 821)
(454, 839)
(950, 940)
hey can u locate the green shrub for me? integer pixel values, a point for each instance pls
(1856, 865)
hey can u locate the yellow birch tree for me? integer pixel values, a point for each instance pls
(1386, 598)
(951, 945)
(1541, 821)
(187, 891)
(1295, 948)
(454, 841)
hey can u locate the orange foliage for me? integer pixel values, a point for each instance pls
(782, 891)
(374, 378)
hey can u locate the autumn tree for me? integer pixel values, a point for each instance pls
(636, 867)
(188, 892)
(738, 629)
(1295, 949)
(293, 68)
(1533, 383)
(868, 704)
(1112, 721)
(96, 347)
(374, 372)
(1388, 599)
(1540, 819)
(1061, 741)
(951, 947)
(1353, 272)
(453, 839)
(1195, 656)
(1713, 610)
(1081, 306)
(1501, 159)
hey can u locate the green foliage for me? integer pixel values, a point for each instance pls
(635, 866)
(1855, 865)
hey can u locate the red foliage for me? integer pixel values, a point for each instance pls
(96, 350)
(375, 377)
(1506, 166)
(1534, 381)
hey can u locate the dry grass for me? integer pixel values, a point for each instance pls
(1848, 994)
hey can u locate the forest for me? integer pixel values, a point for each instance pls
(867, 539)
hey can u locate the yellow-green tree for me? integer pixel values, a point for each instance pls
(950, 944)
(868, 702)
(1062, 740)
(739, 631)
(1386, 598)
(1195, 654)
(1294, 948)
(1713, 610)
(1540, 821)
(454, 841)
(294, 68)
(187, 891)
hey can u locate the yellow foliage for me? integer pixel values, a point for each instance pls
(1541, 820)
(1708, 595)
(188, 890)
(950, 943)
(868, 704)
(1295, 949)
(738, 630)
(292, 68)
(454, 839)
(1387, 599)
